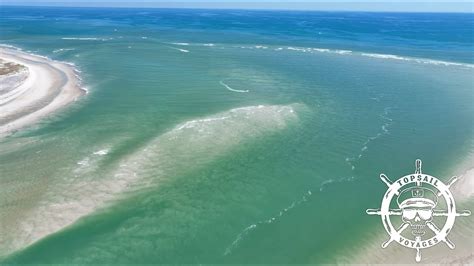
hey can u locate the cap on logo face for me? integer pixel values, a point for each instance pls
(417, 197)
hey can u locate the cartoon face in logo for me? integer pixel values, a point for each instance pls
(418, 198)
(417, 205)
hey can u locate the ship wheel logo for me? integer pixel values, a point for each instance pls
(422, 202)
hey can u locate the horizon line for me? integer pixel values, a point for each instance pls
(52, 5)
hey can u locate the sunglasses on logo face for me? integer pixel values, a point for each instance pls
(424, 214)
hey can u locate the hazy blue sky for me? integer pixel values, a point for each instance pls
(349, 5)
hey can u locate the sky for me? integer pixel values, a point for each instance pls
(325, 5)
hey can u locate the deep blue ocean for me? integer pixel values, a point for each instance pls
(433, 35)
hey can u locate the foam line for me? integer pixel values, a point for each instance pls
(384, 130)
(372, 55)
(179, 49)
(102, 152)
(241, 236)
(231, 89)
(63, 50)
(180, 43)
(351, 161)
(416, 60)
(330, 181)
(85, 39)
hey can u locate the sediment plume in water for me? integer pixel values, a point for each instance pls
(186, 146)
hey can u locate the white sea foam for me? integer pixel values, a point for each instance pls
(334, 51)
(330, 181)
(85, 90)
(102, 152)
(383, 56)
(73, 65)
(63, 50)
(181, 50)
(84, 162)
(351, 161)
(10, 47)
(304, 50)
(230, 88)
(180, 43)
(254, 47)
(317, 50)
(86, 38)
(321, 50)
(192, 44)
(90, 162)
(342, 51)
(417, 60)
(372, 55)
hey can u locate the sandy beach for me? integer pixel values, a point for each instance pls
(33, 87)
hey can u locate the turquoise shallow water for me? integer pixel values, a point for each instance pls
(168, 160)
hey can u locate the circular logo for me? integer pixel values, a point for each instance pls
(412, 208)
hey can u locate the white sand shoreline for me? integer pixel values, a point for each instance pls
(49, 86)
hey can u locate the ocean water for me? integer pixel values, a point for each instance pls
(229, 136)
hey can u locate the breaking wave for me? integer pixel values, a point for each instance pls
(86, 39)
(192, 44)
(181, 50)
(313, 50)
(319, 50)
(417, 60)
(63, 50)
(180, 43)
